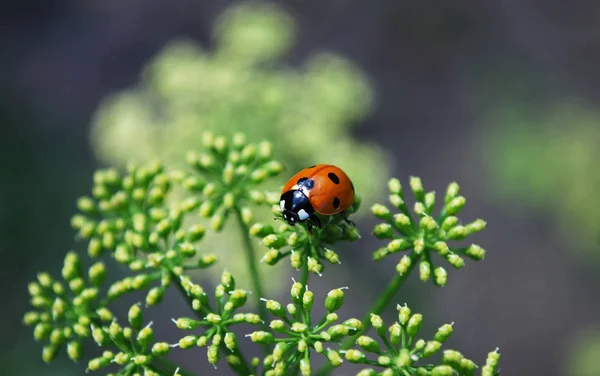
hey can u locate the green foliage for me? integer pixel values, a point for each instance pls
(429, 235)
(132, 219)
(543, 161)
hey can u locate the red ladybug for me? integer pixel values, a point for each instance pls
(323, 189)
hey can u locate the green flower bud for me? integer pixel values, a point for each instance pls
(261, 230)
(353, 324)
(404, 265)
(145, 336)
(457, 233)
(187, 342)
(451, 192)
(99, 336)
(377, 323)
(442, 370)
(318, 346)
(291, 309)
(338, 331)
(429, 201)
(403, 359)
(262, 337)
(334, 300)
(424, 270)
(155, 295)
(277, 325)
(275, 308)
(455, 260)
(135, 316)
(246, 214)
(97, 273)
(331, 317)
(302, 346)
(431, 348)
(402, 222)
(334, 358)
(265, 149)
(455, 205)
(452, 358)
(42, 331)
(396, 200)
(380, 254)
(34, 289)
(449, 222)
(475, 252)
(238, 298)
(98, 363)
(440, 276)
(395, 333)
(31, 318)
(367, 372)
(397, 245)
(305, 369)
(443, 333)
(331, 256)
(296, 260)
(467, 366)
(414, 324)
(299, 327)
(354, 356)
(417, 187)
(141, 360)
(368, 344)
(160, 349)
(383, 231)
(419, 245)
(251, 318)
(74, 350)
(381, 212)
(296, 292)
(403, 314)
(419, 209)
(428, 224)
(441, 248)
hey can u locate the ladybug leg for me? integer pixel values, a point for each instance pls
(348, 221)
(315, 220)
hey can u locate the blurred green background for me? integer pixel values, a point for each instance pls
(501, 98)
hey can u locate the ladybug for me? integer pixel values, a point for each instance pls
(324, 189)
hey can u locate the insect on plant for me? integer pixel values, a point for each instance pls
(133, 218)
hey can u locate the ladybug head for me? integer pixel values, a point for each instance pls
(295, 207)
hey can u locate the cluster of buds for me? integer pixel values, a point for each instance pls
(425, 235)
(402, 353)
(302, 247)
(65, 310)
(226, 176)
(124, 211)
(135, 350)
(216, 320)
(302, 333)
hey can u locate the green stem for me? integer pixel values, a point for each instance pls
(379, 306)
(253, 269)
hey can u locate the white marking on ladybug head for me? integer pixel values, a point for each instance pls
(302, 214)
(282, 204)
(295, 187)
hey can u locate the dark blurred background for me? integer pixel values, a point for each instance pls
(500, 96)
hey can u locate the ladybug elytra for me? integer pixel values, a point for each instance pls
(323, 189)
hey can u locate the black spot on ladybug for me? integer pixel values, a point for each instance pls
(306, 182)
(336, 202)
(334, 178)
(352, 185)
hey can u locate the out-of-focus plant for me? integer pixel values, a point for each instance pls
(241, 84)
(132, 220)
(583, 355)
(549, 160)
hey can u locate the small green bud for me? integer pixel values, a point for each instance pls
(475, 252)
(442, 370)
(291, 309)
(74, 350)
(441, 248)
(271, 257)
(424, 270)
(334, 358)
(296, 260)
(265, 149)
(414, 324)
(431, 348)
(428, 224)
(383, 231)
(467, 366)
(296, 292)
(338, 331)
(262, 337)
(305, 369)
(302, 346)
(261, 230)
(246, 214)
(452, 358)
(395, 333)
(274, 168)
(155, 296)
(331, 256)
(334, 300)
(417, 187)
(451, 192)
(449, 222)
(31, 318)
(354, 356)
(443, 333)
(403, 314)
(277, 325)
(367, 372)
(476, 226)
(353, 324)
(419, 245)
(299, 327)
(135, 316)
(457, 233)
(404, 265)
(440, 276)
(381, 212)
(274, 241)
(455, 260)
(99, 336)
(98, 363)
(307, 300)
(42, 331)
(419, 209)
(141, 360)
(368, 344)
(397, 245)
(377, 323)
(331, 317)
(396, 200)
(403, 359)
(187, 342)
(251, 318)
(213, 318)
(455, 205)
(275, 308)
(97, 273)
(318, 346)
(429, 201)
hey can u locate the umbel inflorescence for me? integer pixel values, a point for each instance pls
(135, 220)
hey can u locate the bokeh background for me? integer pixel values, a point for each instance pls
(500, 96)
